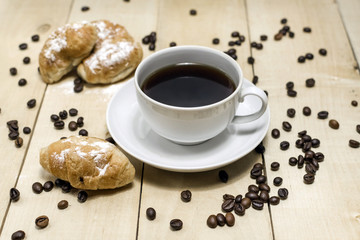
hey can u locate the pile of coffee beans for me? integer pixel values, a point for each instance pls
(58, 120)
(150, 40)
(285, 30)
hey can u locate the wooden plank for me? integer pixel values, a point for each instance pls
(111, 214)
(20, 20)
(349, 11)
(329, 208)
(161, 189)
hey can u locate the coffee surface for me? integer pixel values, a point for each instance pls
(188, 85)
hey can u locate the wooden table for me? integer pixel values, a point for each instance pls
(327, 209)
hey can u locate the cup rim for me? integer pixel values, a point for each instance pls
(191, 47)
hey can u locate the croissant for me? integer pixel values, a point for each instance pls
(87, 163)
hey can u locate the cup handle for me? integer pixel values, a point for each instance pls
(264, 102)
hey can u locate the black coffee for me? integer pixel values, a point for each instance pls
(188, 85)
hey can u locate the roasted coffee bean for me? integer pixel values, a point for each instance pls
(22, 82)
(301, 161)
(78, 87)
(239, 209)
(354, 103)
(284, 145)
(35, 38)
(212, 221)
(310, 169)
(37, 187)
(307, 29)
(73, 112)
(306, 146)
(306, 138)
(220, 219)
(310, 82)
(309, 56)
(176, 224)
(82, 196)
(18, 142)
(59, 182)
(291, 34)
(258, 165)
(31, 103)
(301, 59)
(263, 37)
(251, 60)
(216, 41)
(223, 176)
(228, 196)
(228, 205)
(231, 43)
(291, 93)
(275, 166)
(253, 44)
(150, 213)
(23, 46)
(252, 195)
(299, 143)
(358, 128)
(309, 178)
(315, 143)
(72, 126)
(48, 186)
(85, 8)
(323, 114)
(260, 148)
(172, 44)
(255, 172)
(264, 196)
(26, 60)
(259, 46)
(13, 71)
(286, 126)
(238, 198)
(334, 124)
(230, 219)
(278, 36)
(264, 187)
(54, 118)
(277, 181)
(59, 124)
(275, 133)
(186, 196)
(255, 80)
(63, 204)
(289, 85)
(242, 38)
(315, 163)
(261, 179)
(18, 235)
(283, 193)
(253, 188)
(322, 52)
(42, 221)
(78, 81)
(283, 21)
(246, 202)
(293, 161)
(306, 111)
(302, 133)
(257, 204)
(14, 194)
(63, 114)
(146, 39)
(26, 130)
(354, 144)
(13, 135)
(238, 42)
(235, 34)
(83, 132)
(13, 125)
(80, 122)
(193, 12)
(309, 155)
(66, 187)
(290, 112)
(274, 200)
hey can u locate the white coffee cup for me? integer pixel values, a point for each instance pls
(193, 125)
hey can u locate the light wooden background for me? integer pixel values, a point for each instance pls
(327, 209)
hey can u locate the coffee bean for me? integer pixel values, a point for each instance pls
(228, 205)
(275, 166)
(37, 187)
(251, 60)
(172, 44)
(301, 59)
(309, 155)
(277, 181)
(289, 85)
(354, 144)
(309, 56)
(323, 114)
(216, 41)
(26, 130)
(193, 12)
(78, 87)
(59, 182)
(23, 46)
(22, 82)
(150, 213)
(48, 186)
(231, 43)
(275, 133)
(31, 103)
(220, 219)
(186, 196)
(35, 38)
(63, 114)
(59, 124)
(263, 37)
(42, 221)
(176, 224)
(257, 204)
(334, 124)
(293, 161)
(85, 8)
(230, 219)
(212, 221)
(13, 135)
(72, 126)
(291, 34)
(238, 198)
(291, 93)
(286, 126)
(19, 142)
(261, 179)
(66, 187)
(264, 187)
(322, 52)
(83, 132)
(278, 36)
(301, 161)
(283, 21)
(242, 38)
(264, 196)
(54, 118)
(63, 204)
(358, 128)
(82, 196)
(259, 46)
(307, 29)
(283, 193)
(319, 156)
(255, 172)
(309, 178)
(223, 176)
(255, 80)
(315, 163)
(284, 145)
(310, 82)
(26, 60)
(315, 143)
(18, 235)
(13, 71)
(260, 148)
(307, 111)
(290, 112)
(302, 133)
(258, 165)
(73, 112)
(228, 196)
(80, 122)
(306, 138)
(235, 34)
(253, 188)
(239, 209)
(246, 202)
(14, 194)
(274, 200)
(354, 103)
(310, 169)
(252, 195)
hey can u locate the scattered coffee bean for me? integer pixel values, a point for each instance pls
(238, 198)
(253, 44)
(22, 82)
(31, 103)
(264, 196)
(289, 85)
(228, 196)
(66, 187)
(260, 148)
(235, 34)
(54, 118)
(291, 34)
(83, 132)
(150, 213)
(274, 200)
(306, 138)
(255, 172)
(275, 166)
(80, 122)
(255, 80)
(310, 82)
(261, 179)
(193, 12)
(251, 60)
(82, 196)
(223, 176)
(309, 155)
(307, 29)
(172, 44)
(283, 21)
(334, 124)
(85, 8)
(26, 60)
(323, 114)
(73, 112)
(277, 181)
(176, 224)
(278, 36)
(63, 114)
(13, 71)
(242, 38)
(18, 235)
(284, 145)
(212, 221)
(309, 178)
(42, 221)
(246, 202)
(186, 196)
(309, 56)
(14, 194)
(230, 219)
(263, 37)
(258, 165)
(358, 128)
(37, 187)
(301, 161)
(216, 41)
(19, 142)
(301, 59)
(310, 169)
(291, 93)
(322, 52)
(286, 126)
(23, 46)
(315, 163)
(253, 188)
(302, 133)
(13, 135)
(354, 103)
(257, 204)
(35, 38)
(48, 186)
(275, 133)
(26, 130)
(354, 144)
(239, 209)
(283, 193)
(264, 187)
(59, 124)
(290, 112)
(59, 182)
(63, 204)
(228, 205)
(78, 87)
(220, 218)
(306, 111)
(72, 126)
(315, 143)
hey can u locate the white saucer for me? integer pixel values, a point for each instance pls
(130, 131)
